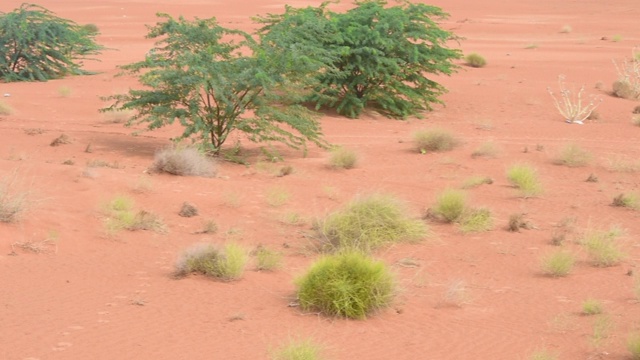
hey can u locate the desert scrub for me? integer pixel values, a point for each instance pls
(557, 264)
(475, 60)
(226, 263)
(5, 109)
(343, 158)
(525, 178)
(120, 215)
(348, 284)
(627, 85)
(450, 205)
(368, 223)
(277, 196)
(630, 201)
(475, 181)
(635, 120)
(434, 140)
(302, 349)
(574, 105)
(13, 202)
(267, 259)
(184, 161)
(543, 355)
(602, 247)
(591, 307)
(572, 155)
(487, 149)
(476, 220)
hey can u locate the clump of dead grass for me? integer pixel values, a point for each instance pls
(63, 139)
(224, 263)
(183, 161)
(13, 201)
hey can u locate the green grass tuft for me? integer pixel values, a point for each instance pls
(303, 349)
(525, 178)
(450, 205)
(226, 264)
(602, 247)
(349, 285)
(267, 259)
(434, 140)
(572, 155)
(475, 181)
(277, 196)
(476, 220)
(633, 345)
(475, 60)
(630, 201)
(592, 307)
(557, 264)
(343, 158)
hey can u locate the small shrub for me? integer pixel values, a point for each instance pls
(118, 116)
(573, 155)
(566, 29)
(543, 355)
(623, 89)
(63, 139)
(488, 149)
(122, 216)
(557, 264)
(636, 109)
(517, 222)
(475, 60)
(368, 223)
(226, 264)
(602, 247)
(183, 161)
(591, 307)
(572, 105)
(348, 284)
(476, 220)
(64, 91)
(434, 140)
(450, 205)
(91, 29)
(5, 109)
(292, 218)
(209, 227)
(343, 158)
(277, 196)
(305, 349)
(13, 202)
(476, 181)
(188, 210)
(636, 120)
(267, 260)
(630, 201)
(525, 178)
(633, 345)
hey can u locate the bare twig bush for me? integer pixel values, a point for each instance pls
(13, 201)
(184, 161)
(627, 85)
(572, 105)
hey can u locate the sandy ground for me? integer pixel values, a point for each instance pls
(89, 296)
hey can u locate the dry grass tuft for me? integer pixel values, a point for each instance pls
(5, 109)
(63, 139)
(183, 161)
(13, 201)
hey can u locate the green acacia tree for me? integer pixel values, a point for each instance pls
(369, 55)
(36, 45)
(215, 80)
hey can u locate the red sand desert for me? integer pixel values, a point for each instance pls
(90, 296)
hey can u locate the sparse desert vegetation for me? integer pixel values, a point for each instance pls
(558, 263)
(13, 201)
(572, 155)
(348, 284)
(603, 246)
(343, 158)
(183, 161)
(298, 349)
(592, 307)
(225, 263)
(525, 178)
(434, 140)
(475, 60)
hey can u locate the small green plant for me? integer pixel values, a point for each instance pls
(267, 259)
(226, 263)
(5, 109)
(277, 196)
(476, 220)
(434, 140)
(616, 38)
(602, 327)
(183, 161)
(120, 215)
(487, 149)
(292, 218)
(475, 60)
(525, 178)
(297, 349)
(368, 223)
(36, 45)
(572, 155)
(602, 247)
(475, 181)
(592, 307)
(343, 158)
(557, 264)
(633, 345)
(450, 205)
(347, 284)
(630, 201)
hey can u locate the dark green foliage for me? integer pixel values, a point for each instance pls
(36, 45)
(208, 77)
(349, 285)
(370, 55)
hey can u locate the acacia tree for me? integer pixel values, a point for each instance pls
(36, 45)
(369, 55)
(215, 80)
